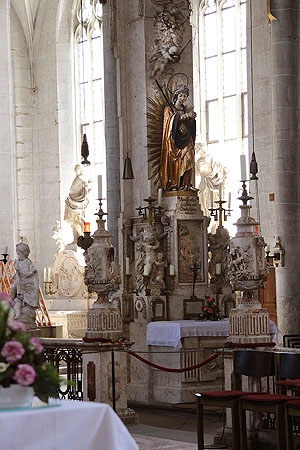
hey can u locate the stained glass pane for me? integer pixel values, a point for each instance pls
(211, 78)
(211, 7)
(244, 70)
(245, 114)
(230, 117)
(98, 100)
(230, 73)
(213, 121)
(229, 30)
(244, 25)
(211, 42)
(97, 58)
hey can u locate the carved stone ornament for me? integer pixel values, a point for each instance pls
(169, 25)
(190, 250)
(67, 275)
(218, 246)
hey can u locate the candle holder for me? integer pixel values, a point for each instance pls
(5, 258)
(220, 214)
(150, 212)
(48, 288)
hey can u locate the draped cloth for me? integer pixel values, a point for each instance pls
(178, 149)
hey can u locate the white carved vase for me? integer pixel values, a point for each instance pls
(15, 396)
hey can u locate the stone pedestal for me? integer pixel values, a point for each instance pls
(104, 320)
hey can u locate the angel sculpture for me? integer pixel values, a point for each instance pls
(172, 138)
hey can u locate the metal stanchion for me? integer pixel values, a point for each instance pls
(113, 379)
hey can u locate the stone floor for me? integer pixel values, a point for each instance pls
(173, 429)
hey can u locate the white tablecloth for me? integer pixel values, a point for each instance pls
(169, 333)
(70, 426)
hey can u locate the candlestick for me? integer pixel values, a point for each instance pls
(127, 269)
(149, 188)
(243, 167)
(159, 197)
(172, 269)
(229, 200)
(99, 186)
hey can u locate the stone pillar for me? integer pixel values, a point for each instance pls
(111, 132)
(8, 227)
(285, 48)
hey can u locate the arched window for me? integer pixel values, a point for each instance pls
(90, 87)
(220, 80)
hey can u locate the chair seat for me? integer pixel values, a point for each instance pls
(289, 383)
(225, 394)
(267, 398)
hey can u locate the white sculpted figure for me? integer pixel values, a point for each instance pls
(25, 287)
(76, 203)
(159, 265)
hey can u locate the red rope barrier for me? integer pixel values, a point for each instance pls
(166, 369)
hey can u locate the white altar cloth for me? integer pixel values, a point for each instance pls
(169, 333)
(72, 425)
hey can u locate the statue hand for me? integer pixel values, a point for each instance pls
(192, 114)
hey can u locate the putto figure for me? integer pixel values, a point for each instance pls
(25, 287)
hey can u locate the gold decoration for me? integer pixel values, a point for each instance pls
(271, 18)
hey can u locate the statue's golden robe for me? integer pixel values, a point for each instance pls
(178, 150)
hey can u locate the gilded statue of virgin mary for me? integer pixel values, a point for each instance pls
(172, 141)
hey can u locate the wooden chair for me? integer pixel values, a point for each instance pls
(245, 362)
(292, 409)
(288, 370)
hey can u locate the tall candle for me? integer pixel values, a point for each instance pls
(243, 167)
(229, 200)
(220, 191)
(211, 199)
(149, 188)
(99, 186)
(5, 250)
(172, 269)
(127, 265)
(45, 274)
(49, 274)
(139, 197)
(218, 268)
(159, 197)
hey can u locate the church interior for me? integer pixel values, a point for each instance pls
(150, 234)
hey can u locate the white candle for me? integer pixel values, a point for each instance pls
(139, 198)
(49, 274)
(45, 274)
(147, 269)
(220, 191)
(229, 200)
(5, 250)
(211, 199)
(99, 186)
(127, 265)
(268, 248)
(218, 269)
(159, 197)
(149, 188)
(243, 167)
(172, 269)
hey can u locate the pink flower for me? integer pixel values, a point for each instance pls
(17, 325)
(12, 351)
(6, 299)
(36, 345)
(24, 375)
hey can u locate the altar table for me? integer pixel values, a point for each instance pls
(71, 425)
(169, 333)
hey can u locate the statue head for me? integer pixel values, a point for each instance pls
(22, 250)
(78, 169)
(180, 89)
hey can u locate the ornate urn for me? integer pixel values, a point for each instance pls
(247, 272)
(102, 276)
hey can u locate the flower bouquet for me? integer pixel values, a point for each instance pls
(210, 310)
(22, 361)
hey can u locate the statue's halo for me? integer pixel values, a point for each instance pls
(175, 80)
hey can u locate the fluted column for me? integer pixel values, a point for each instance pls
(111, 133)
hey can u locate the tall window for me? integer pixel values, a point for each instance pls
(89, 87)
(220, 77)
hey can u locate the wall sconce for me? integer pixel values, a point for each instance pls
(127, 172)
(85, 241)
